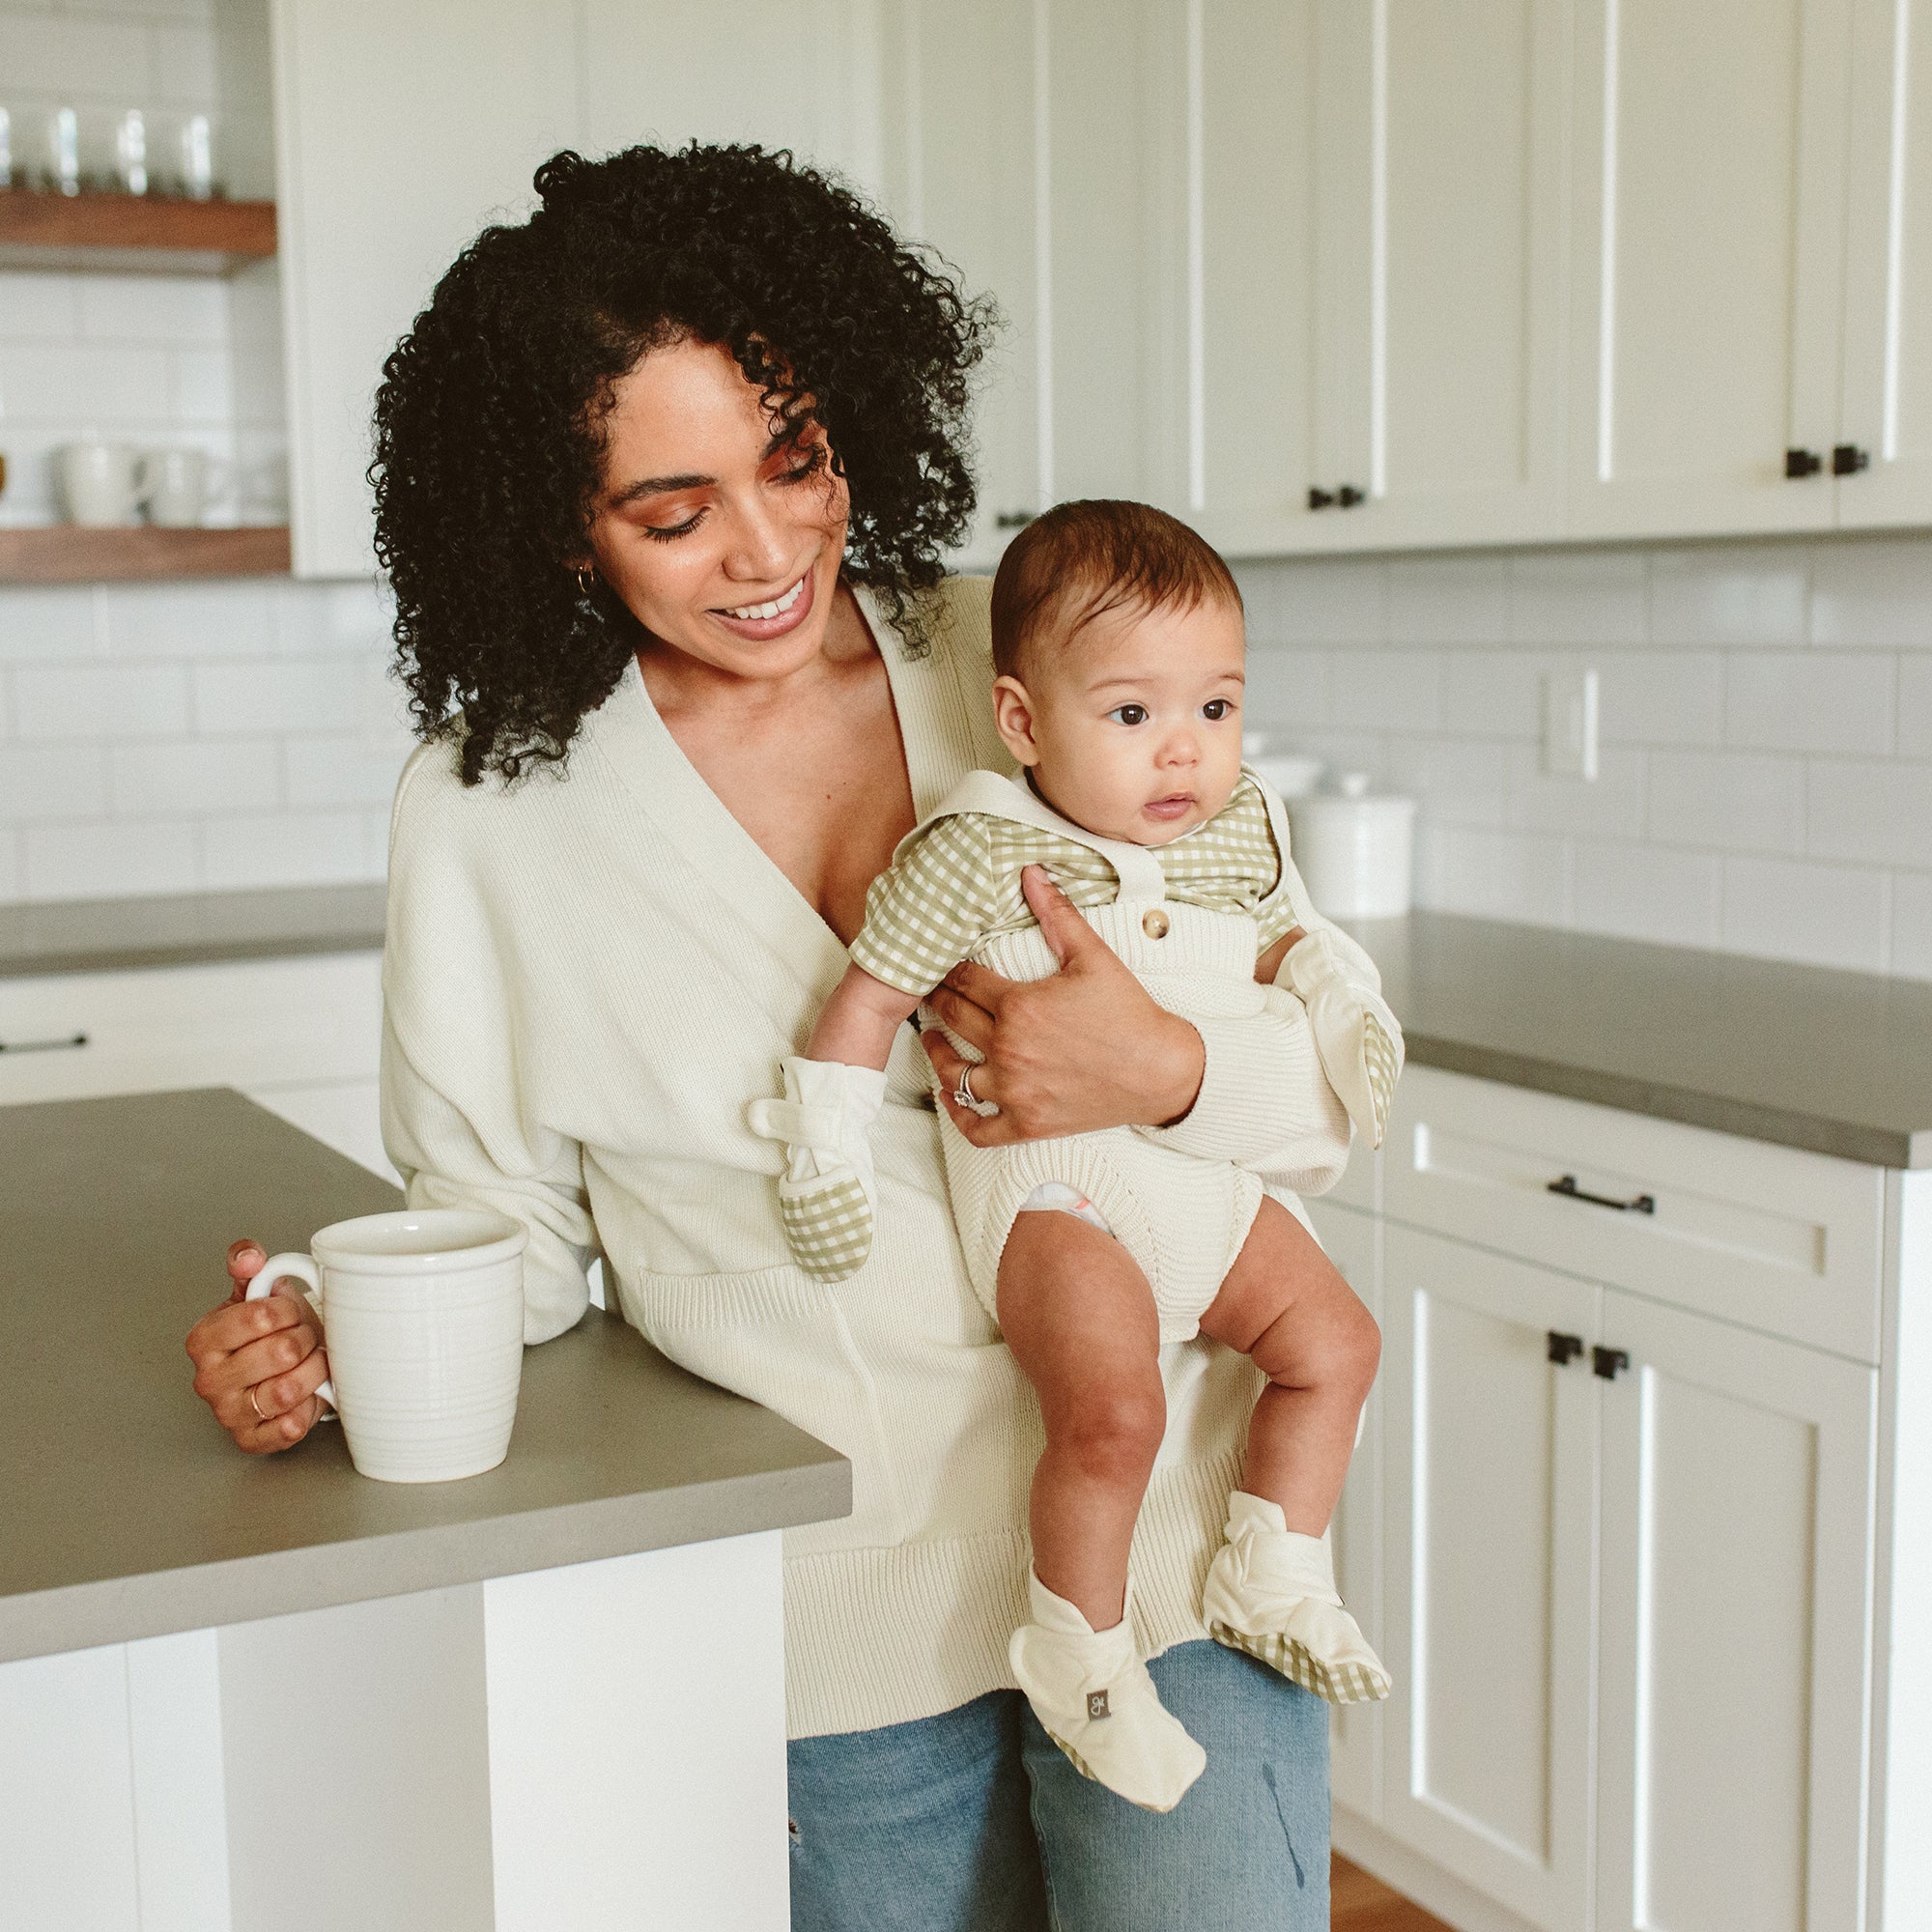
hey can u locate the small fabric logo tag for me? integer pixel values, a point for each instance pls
(1097, 1704)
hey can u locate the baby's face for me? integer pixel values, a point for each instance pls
(1132, 727)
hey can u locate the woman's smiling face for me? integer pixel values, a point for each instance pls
(723, 541)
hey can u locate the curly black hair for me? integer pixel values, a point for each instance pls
(489, 421)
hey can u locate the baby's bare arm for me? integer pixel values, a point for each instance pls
(1270, 961)
(857, 1025)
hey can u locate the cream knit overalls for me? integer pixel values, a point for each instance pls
(1182, 1218)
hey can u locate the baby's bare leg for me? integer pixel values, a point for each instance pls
(1080, 1319)
(1284, 1305)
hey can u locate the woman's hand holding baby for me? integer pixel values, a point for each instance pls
(1084, 1049)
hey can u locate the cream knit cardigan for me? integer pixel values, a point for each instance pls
(589, 975)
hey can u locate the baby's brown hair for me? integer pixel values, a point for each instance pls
(1082, 560)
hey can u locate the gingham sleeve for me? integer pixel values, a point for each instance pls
(926, 911)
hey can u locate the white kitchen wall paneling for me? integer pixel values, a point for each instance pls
(1706, 248)
(364, 103)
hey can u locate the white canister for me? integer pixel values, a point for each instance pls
(1356, 853)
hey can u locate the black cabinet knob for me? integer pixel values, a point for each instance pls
(1848, 459)
(1564, 1349)
(1321, 499)
(1012, 520)
(1608, 1363)
(1348, 496)
(1802, 462)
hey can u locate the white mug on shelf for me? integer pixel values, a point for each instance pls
(424, 1314)
(103, 485)
(180, 485)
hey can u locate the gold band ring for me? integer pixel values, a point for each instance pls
(255, 1404)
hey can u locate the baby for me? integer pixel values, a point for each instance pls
(1118, 648)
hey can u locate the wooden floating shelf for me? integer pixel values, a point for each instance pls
(123, 231)
(67, 553)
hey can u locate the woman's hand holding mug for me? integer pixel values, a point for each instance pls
(258, 1364)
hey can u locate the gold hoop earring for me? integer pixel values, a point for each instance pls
(587, 583)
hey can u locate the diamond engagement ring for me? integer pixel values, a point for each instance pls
(964, 1094)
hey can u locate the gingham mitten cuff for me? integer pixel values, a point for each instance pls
(826, 1192)
(1355, 1034)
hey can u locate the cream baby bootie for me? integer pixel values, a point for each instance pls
(1272, 1592)
(1093, 1695)
(826, 1192)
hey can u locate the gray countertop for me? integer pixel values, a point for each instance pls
(188, 929)
(1838, 1063)
(124, 1511)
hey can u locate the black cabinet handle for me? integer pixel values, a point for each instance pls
(1012, 520)
(1637, 1203)
(1564, 1349)
(1348, 496)
(1608, 1363)
(1321, 499)
(63, 1045)
(1802, 462)
(1848, 459)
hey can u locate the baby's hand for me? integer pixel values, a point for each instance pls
(826, 1193)
(1355, 1034)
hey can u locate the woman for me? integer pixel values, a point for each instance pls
(663, 479)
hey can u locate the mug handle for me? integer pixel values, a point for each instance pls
(303, 1268)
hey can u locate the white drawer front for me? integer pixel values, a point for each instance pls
(247, 1024)
(1774, 1237)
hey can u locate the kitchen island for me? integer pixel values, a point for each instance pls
(241, 1692)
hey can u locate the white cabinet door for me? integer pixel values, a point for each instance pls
(1888, 403)
(1114, 397)
(1355, 1733)
(1255, 399)
(787, 74)
(1706, 251)
(1489, 1502)
(1441, 286)
(960, 164)
(399, 131)
(1734, 1668)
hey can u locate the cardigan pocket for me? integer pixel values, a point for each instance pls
(782, 1338)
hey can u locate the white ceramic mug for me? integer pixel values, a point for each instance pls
(178, 485)
(424, 1314)
(103, 485)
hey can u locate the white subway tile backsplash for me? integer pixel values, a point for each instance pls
(108, 860)
(1612, 805)
(1819, 914)
(1288, 689)
(1462, 599)
(290, 849)
(297, 695)
(1872, 811)
(97, 388)
(344, 770)
(1739, 594)
(1873, 591)
(54, 56)
(1494, 694)
(1508, 875)
(1578, 598)
(1463, 780)
(1912, 924)
(1808, 701)
(1661, 697)
(47, 306)
(198, 385)
(44, 783)
(189, 620)
(148, 309)
(1639, 891)
(1727, 800)
(317, 617)
(1915, 706)
(194, 778)
(1322, 602)
(183, 63)
(85, 703)
(48, 623)
(1385, 691)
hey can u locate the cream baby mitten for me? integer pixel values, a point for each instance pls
(1355, 1034)
(1094, 1699)
(1272, 1592)
(826, 1192)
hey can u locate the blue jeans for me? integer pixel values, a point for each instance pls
(974, 1822)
